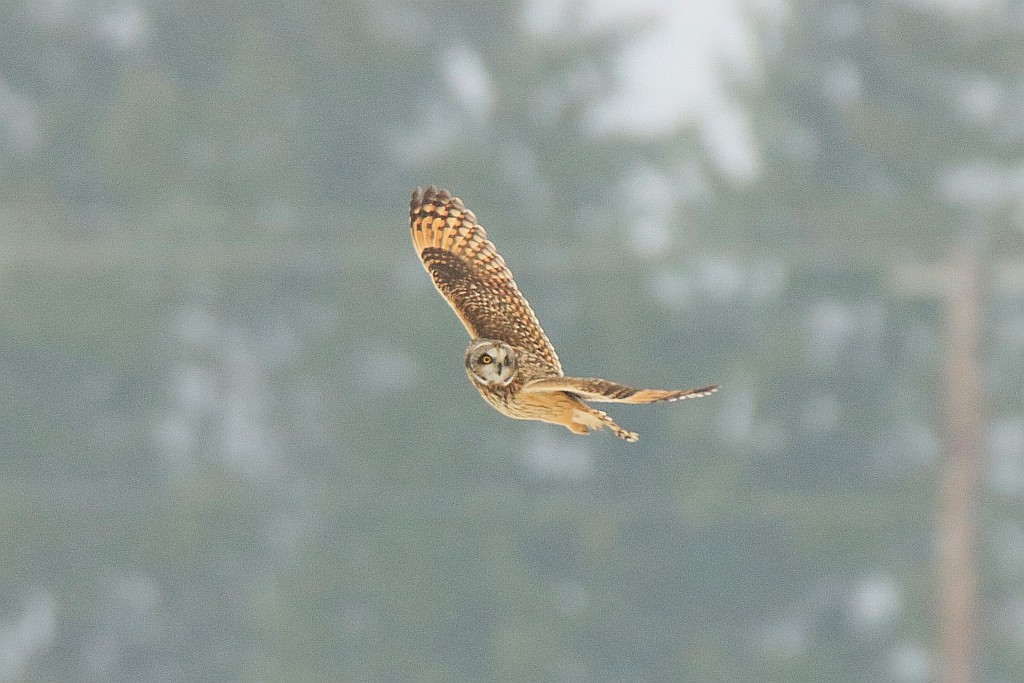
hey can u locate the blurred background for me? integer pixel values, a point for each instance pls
(238, 442)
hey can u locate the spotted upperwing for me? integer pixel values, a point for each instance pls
(471, 274)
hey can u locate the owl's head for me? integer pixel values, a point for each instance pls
(491, 363)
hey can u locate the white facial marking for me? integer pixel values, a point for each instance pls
(491, 363)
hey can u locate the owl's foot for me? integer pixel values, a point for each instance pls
(593, 419)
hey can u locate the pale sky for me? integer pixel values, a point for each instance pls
(674, 75)
(671, 77)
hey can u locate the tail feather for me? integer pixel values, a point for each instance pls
(659, 395)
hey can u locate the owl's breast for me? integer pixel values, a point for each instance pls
(502, 399)
(549, 406)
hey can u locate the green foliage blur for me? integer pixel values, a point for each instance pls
(239, 443)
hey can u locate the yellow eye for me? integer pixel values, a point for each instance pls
(486, 359)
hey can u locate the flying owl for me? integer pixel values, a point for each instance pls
(510, 360)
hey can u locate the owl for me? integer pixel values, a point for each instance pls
(510, 360)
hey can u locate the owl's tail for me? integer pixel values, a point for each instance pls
(659, 395)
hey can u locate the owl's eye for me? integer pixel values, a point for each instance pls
(486, 359)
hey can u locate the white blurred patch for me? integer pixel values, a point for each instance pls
(558, 457)
(767, 279)
(219, 399)
(19, 120)
(246, 439)
(1010, 329)
(674, 290)
(979, 100)
(125, 26)
(906, 445)
(1011, 618)
(175, 438)
(911, 662)
(396, 22)
(649, 237)
(787, 638)
(469, 82)
(571, 596)
(875, 601)
(246, 442)
(1006, 459)
(195, 326)
(543, 17)
(843, 20)
(132, 616)
(136, 598)
(649, 189)
(50, 11)
(1007, 542)
(736, 414)
(196, 389)
(671, 74)
(964, 8)
(843, 84)
(720, 278)
(22, 636)
(980, 184)
(831, 327)
(649, 196)
(726, 133)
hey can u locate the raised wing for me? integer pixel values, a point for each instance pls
(470, 273)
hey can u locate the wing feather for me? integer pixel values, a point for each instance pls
(601, 390)
(472, 276)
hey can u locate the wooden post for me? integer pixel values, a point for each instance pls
(957, 523)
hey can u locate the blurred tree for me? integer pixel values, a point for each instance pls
(884, 131)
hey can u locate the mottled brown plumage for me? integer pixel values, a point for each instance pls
(601, 390)
(510, 360)
(472, 276)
